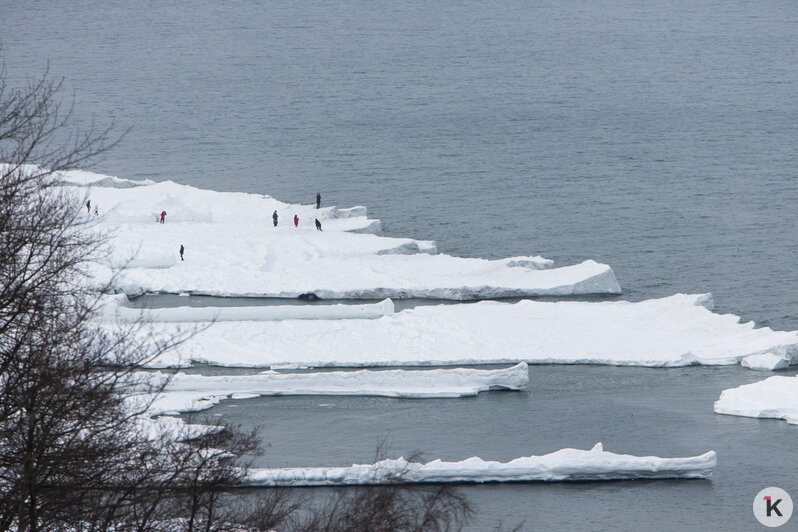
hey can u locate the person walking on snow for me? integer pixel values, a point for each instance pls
(296, 221)
(274, 218)
(163, 216)
(88, 206)
(182, 249)
(96, 212)
(318, 200)
(318, 225)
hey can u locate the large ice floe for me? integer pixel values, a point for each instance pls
(674, 331)
(233, 249)
(190, 393)
(774, 397)
(562, 465)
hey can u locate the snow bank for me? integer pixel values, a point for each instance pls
(562, 465)
(186, 393)
(774, 397)
(674, 331)
(233, 249)
(115, 311)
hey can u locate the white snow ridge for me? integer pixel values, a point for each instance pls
(562, 465)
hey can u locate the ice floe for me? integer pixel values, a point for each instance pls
(190, 392)
(562, 465)
(775, 397)
(126, 313)
(674, 331)
(233, 249)
(766, 361)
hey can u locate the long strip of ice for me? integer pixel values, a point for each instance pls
(562, 465)
(774, 397)
(190, 392)
(126, 313)
(232, 248)
(674, 331)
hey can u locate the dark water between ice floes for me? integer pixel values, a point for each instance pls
(662, 412)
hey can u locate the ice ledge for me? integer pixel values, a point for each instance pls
(562, 465)
(190, 393)
(118, 308)
(774, 398)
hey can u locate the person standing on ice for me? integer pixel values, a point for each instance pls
(296, 221)
(88, 206)
(163, 216)
(318, 200)
(318, 225)
(96, 212)
(182, 249)
(274, 218)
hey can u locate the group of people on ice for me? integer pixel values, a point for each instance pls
(296, 221)
(162, 218)
(275, 217)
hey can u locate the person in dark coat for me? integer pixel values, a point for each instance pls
(318, 200)
(88, 206)
(274, 218)
(182, 249)
(318, 225)
(163, 216)
(296, 221)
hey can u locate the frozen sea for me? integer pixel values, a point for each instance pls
(656, 137)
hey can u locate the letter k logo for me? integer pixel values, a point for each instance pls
(772, 506)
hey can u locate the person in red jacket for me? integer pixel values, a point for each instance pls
(296, 221)
(163, 216)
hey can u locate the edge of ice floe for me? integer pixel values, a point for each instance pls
(559, 466)
(772, 398)
(192, 393)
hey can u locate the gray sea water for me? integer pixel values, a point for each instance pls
(658, 137)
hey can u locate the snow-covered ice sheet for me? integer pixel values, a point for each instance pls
(562, 465)
(774, 397)
(187, 393)
(673, 331)
(233, 249)
(125, 313)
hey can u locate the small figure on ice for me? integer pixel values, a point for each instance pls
(296, 221)
(182, 249)
(96, 212)
(318, 200)
(318, 225)
(163, 216)
(274, 218)
(88, 206)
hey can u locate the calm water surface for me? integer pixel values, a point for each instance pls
(658, 137)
